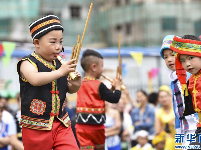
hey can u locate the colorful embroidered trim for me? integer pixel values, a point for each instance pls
(186, 46)
(38, 107)
(86, 147)
(89, 78)
(79, 116)
(91, 110)
(100, 147)
(54, 108)
(65, 120)
(50, 66)
(43, 24)
(34, 123)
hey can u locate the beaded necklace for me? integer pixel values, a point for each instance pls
(89, 78)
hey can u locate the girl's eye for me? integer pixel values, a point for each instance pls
(61, 41)
(165, 57)
(181, 61)
(52, 42)
(191, 57)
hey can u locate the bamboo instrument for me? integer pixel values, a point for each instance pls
(76, 49)
(107, 78)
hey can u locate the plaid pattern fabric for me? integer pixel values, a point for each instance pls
(180, 105)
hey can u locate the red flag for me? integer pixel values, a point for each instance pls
(1, 50)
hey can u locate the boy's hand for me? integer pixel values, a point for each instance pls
(67, 67)
(77, 81)
(117, 82)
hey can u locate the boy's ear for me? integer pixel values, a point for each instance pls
(36, 43)
(93, 67)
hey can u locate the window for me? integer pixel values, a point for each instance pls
(75, 11)
(4, 27)
(169, 23)
(127, 1)
(197, 28)
(128, 28)
(118, 2)
(118, 27)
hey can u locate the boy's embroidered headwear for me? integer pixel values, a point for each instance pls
(166, 44)
(44, 25)
(187, 47)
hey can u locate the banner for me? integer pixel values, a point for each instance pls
(8, 48)
(138, 57)
(1, 50)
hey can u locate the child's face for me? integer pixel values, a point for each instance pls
(164, 98)
(160, 145)
(99, 68)
(169, 59)
(192, 64)
(50, 45)
(142, 140)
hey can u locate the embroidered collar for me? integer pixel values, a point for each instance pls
(89, 78)
(50, 66)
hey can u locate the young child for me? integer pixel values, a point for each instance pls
(188, 58)
(43, 88)
(142, 140)
(91, 97)
(159, 141)
(184, 124)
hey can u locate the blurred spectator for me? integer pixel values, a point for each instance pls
(68, 108)
(4, 132)
(7, 118)
(142, 140)
(159, 141)
(112, 128)
(164, 120)
(153, 99)
(143, 116)
(127, 127)
(4, 101)
(17, 117)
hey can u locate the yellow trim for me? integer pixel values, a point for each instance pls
(189, 50)
(33, 63)
(23, 79)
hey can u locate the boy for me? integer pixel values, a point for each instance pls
(184, 124)
(43, 88)
(90, 113)
(188, 58)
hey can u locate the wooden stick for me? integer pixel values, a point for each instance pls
(117, 72)
(78, 52)
(121, 67)
(86, 24)
(119, 45)
(72, 53)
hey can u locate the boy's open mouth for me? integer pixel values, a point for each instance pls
(171, 65)
(190, 69)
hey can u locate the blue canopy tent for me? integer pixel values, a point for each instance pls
(105, 52)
